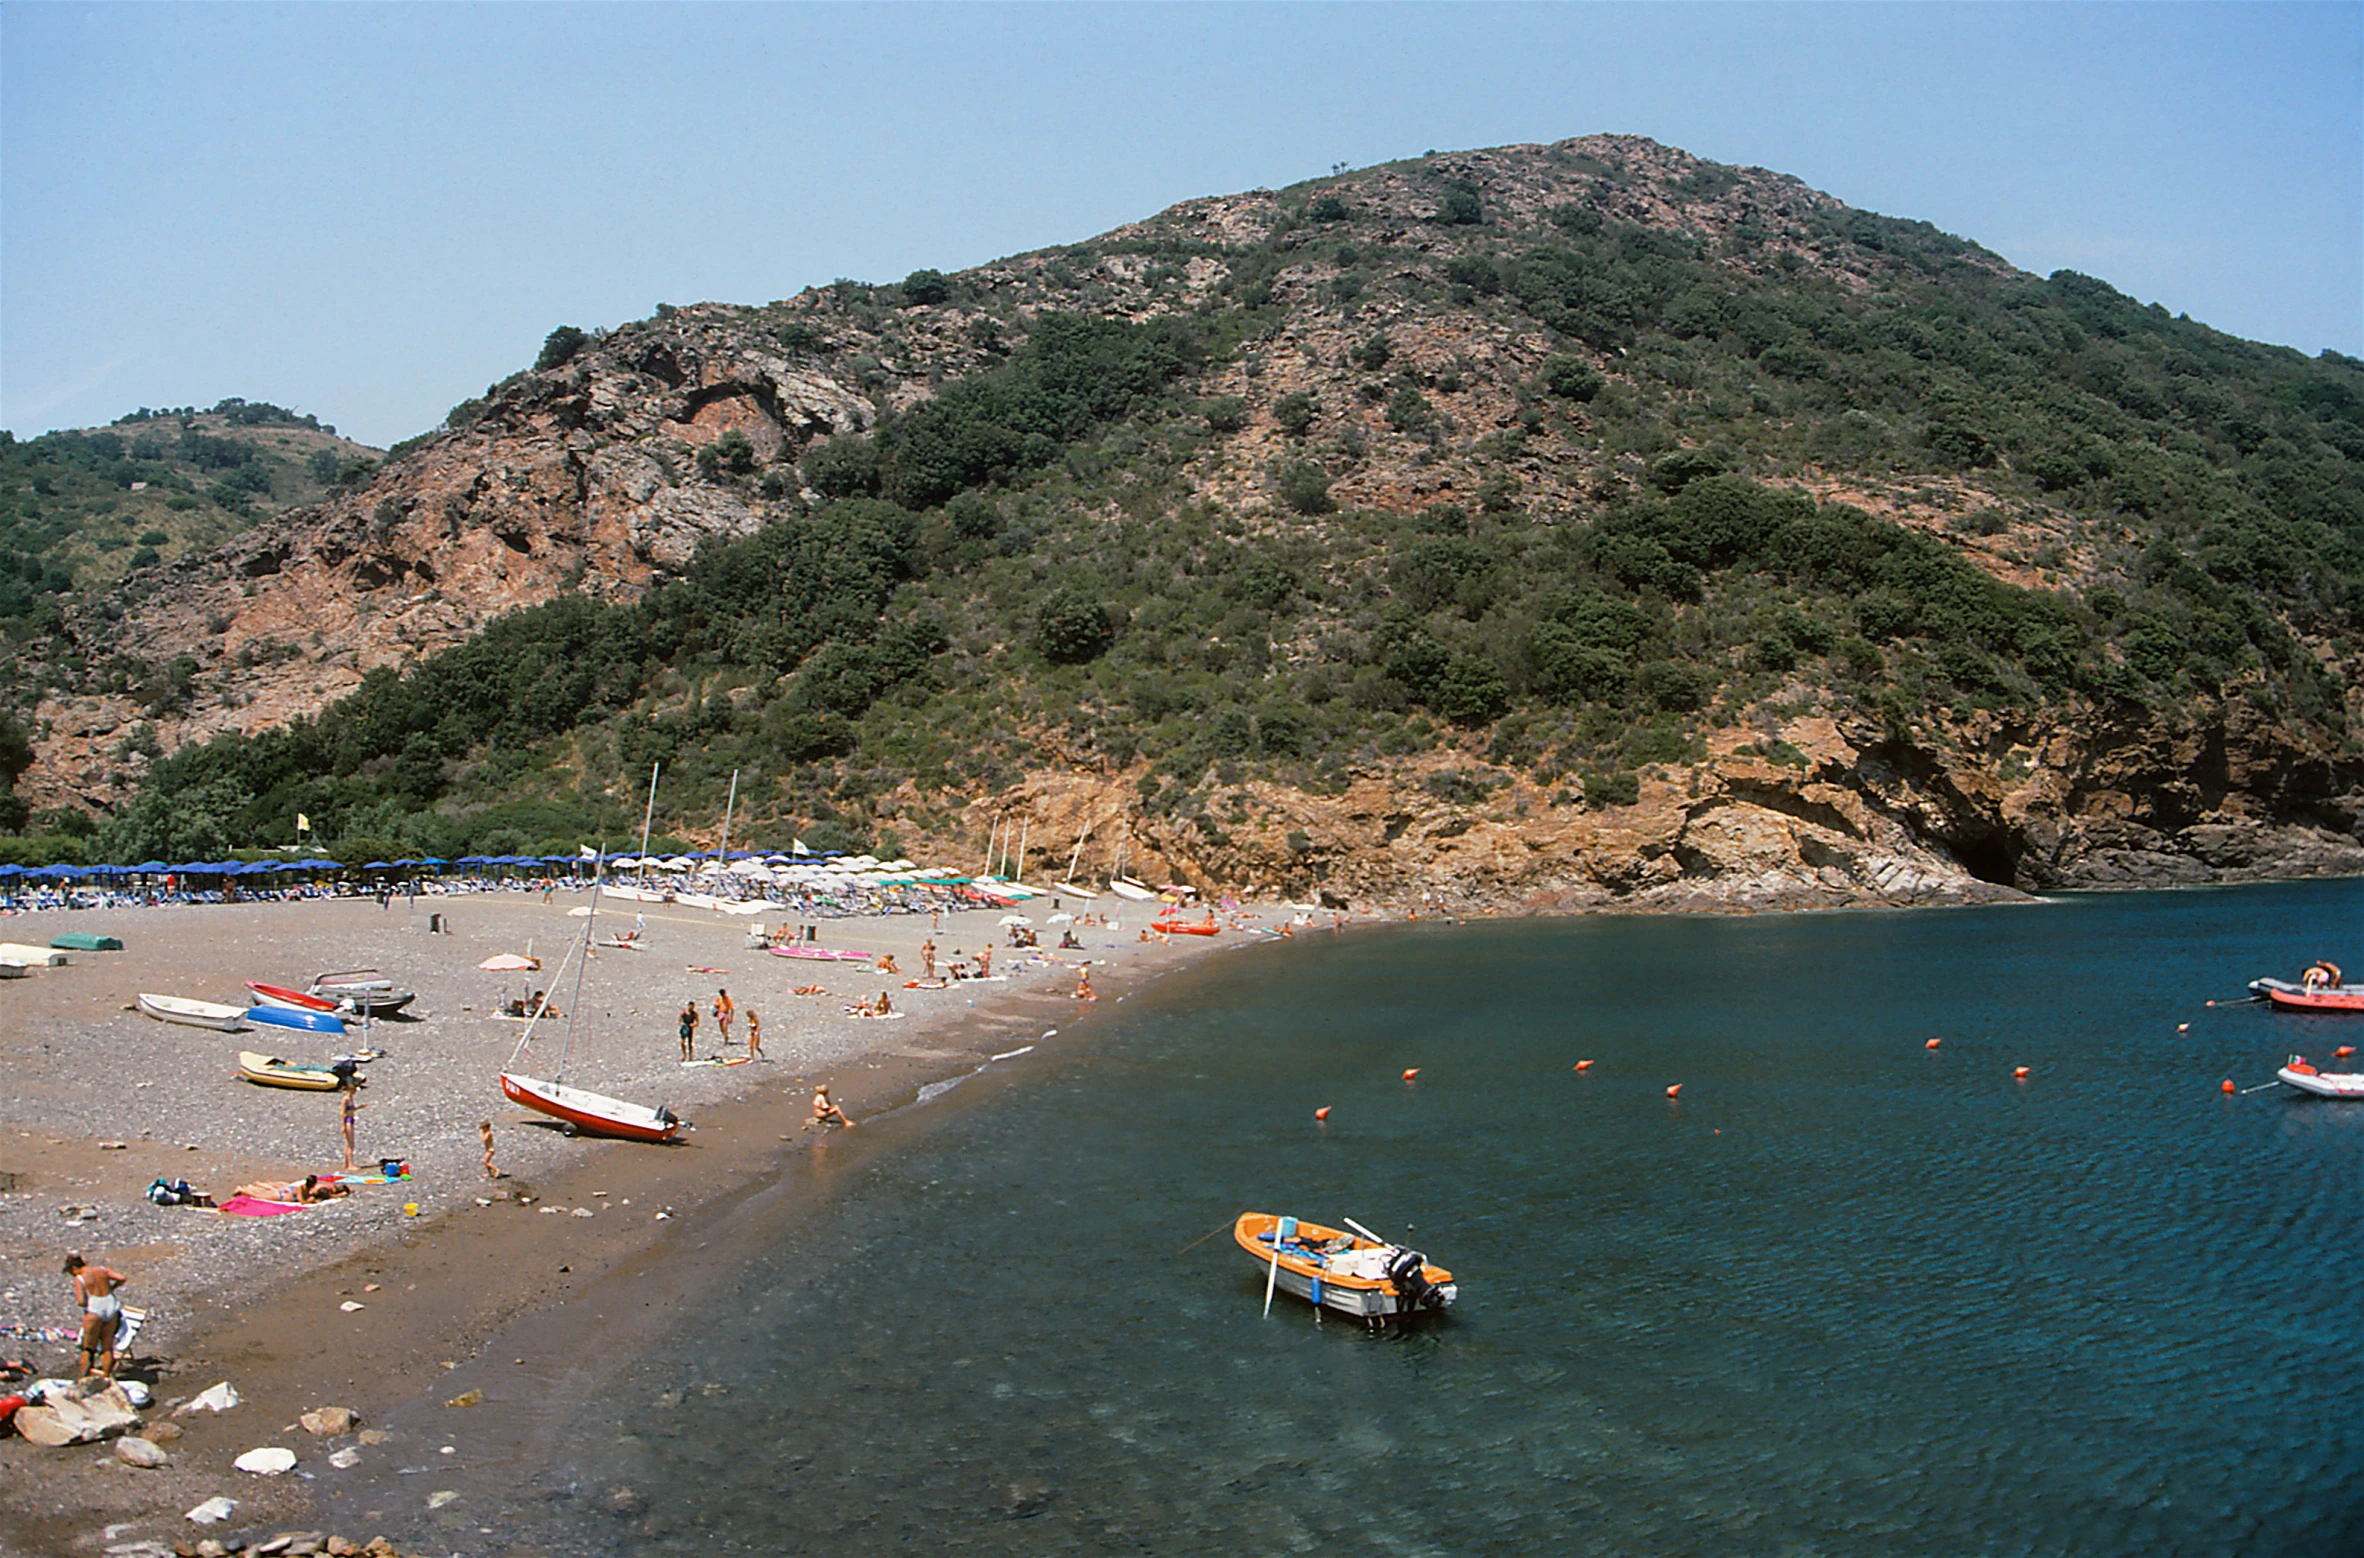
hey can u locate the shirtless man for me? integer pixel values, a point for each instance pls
(724, 1009)
(927, 956)
(825, 1110)
(94, 1292)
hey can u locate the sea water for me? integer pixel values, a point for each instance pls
(1846, 1295)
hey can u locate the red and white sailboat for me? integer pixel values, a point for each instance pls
(594, 1114)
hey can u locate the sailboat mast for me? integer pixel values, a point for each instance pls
(727, 808)
(1078, 855)
(1027, 827)
(992, 837)
(646, 815)
(574, 1000)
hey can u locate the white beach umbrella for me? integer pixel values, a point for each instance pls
(1062, 919)
(1015, 919)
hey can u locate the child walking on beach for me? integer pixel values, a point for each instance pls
(348, 1110)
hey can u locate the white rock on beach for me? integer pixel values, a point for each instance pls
(269, 1461)
(213, 1510)
(214, 1398)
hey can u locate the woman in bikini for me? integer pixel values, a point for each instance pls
(94, 1292)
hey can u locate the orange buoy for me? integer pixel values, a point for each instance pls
(1410, 1072)
(1933, 1043)
(1322, 1113)
(1584, 1065)
(2344, 1051)
(1675, 1091)
(2228, 1085)
(2020, 1071)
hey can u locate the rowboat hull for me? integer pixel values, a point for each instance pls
(1193, 928)
(289, 1017)
(592, 1113)
(289, 1000)
(2323, 1084)
(1133, 890)
(194, 1014)
(1344, 1272)
(270, 1071)
(379, 1000)
(2282, 995)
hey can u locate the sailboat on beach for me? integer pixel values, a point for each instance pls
(591, 1113)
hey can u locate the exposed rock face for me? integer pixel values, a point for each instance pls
(1866, 820)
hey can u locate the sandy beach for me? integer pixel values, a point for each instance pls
(365, 1302)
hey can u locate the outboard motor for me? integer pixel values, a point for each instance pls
(1406, 1274)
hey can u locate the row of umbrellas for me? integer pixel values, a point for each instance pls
(79, 873)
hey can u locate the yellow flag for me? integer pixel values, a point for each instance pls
(303, 823)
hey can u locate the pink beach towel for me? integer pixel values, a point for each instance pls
(248, 1206)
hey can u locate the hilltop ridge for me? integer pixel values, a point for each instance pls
(1578, 522)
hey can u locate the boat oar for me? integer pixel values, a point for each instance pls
(1365, 1232)
(1272, 1277)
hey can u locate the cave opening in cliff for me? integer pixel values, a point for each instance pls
(1988, 857)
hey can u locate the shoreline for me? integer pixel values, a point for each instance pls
(260, 1301)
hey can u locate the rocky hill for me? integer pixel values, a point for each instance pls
(1572, 523)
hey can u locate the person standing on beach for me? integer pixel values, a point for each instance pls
(484, 1129)
(689, 1029)
(94, 1295)
(985, 961)
(724, 1007)
(754, 1034)
(348, 1111)
(927, 956)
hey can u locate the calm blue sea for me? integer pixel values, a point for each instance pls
(1849, 1296)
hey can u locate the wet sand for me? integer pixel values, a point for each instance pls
(257, 1301)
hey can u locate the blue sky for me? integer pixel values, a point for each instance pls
(371, 212)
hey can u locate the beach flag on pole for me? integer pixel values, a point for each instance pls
(587, 853)
(303, 823)
(796, 846)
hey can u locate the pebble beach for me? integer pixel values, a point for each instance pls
(360, 1301)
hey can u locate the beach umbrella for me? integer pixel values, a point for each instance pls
(1015, 919)
(509, 963)
(151, 865)
(1061, 919)
(378, 865)
(432, 861)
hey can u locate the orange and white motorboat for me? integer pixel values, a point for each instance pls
(1351, 1270)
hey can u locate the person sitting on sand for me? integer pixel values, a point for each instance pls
(885, 964)
(826, 1112)
(1067, 941)
(94, 1295)
(884, 1008)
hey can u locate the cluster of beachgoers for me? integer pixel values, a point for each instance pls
(308, 1297)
